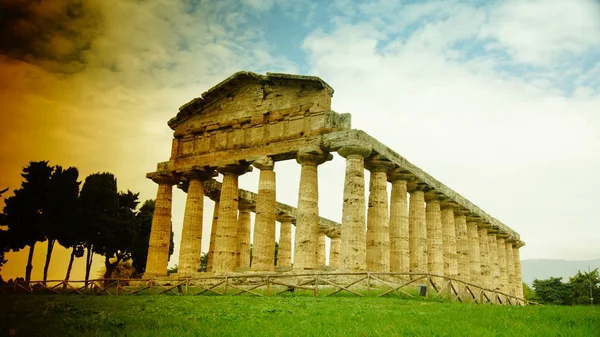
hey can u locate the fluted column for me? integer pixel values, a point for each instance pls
(321, 250)
(501, 244)
(334, 253)
(510, 268)
(160, 233)
(243, 237)
(264, 223)
(213, 235)
(353, 232)
(190, 248)
(485, 255)
(225, 258)
(417, 232)
(307, 213)
(494, 266)
(518, 276)
(284, 254)
(449, 242)
(399, 238)
(378, 232)
(435, 260)
(462, 247)
(474, 253)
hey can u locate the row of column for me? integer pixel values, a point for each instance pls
(422, 234)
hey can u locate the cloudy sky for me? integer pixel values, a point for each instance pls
(499, 100)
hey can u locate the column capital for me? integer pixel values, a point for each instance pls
(246, 206)
(264, 163)
(285, 218)
(434, 195)
(355, 150)
(449, 204)
(199, 174)
(237, 168)
(397, 173)
(163, 178)
(313, 156)
(416, 185)
(378, 163)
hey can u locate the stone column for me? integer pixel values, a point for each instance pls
(378, 231)
(485, 255)
(243, 237)
(435, 261)
(160, 233)
(307, 213)
(510, 268)
(474, 253)
(213, 235)
(321, 250)
(284, 254)
(494, 266)
(417, 232)
(399, 238)
(190, 248)
(334, 253)
(225, 258)
(264, 224)
(462, 247)
(517, 263)
(353, 232)
(503, 275)
(449, 241)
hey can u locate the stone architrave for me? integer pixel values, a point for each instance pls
(213, 235)
(225, 258)
(160, 233)
(449, 242)
(474, 253)
(307, 213)
(353, 231)
(417, 232)
(190, 248)
(243, 237)
(264, 223)
(334, 253)
(485, 256)
(462, 247)
(399, 238)
(378, 232)
(435, 260)
(501, 244)
(510, 268)
(321, 250)
(494, 266)
(284, 254)
(518, 276)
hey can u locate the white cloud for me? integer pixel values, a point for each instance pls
(541, 31)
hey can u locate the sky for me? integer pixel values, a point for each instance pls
(499, 100)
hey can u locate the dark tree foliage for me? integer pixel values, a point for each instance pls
(24, 212)
(4, 246)
(203, 262)
(586, 287)
(139, 251)
(553, 291)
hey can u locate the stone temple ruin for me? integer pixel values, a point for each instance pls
(251, 120)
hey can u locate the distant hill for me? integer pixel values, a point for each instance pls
(543, 269)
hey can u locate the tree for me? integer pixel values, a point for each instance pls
(60, 210)
(203, 262)
(553, 291)
(4, 246)
(23, 212)
(586, 287)
(99, 202)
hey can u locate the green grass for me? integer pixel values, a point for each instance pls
(285, 315)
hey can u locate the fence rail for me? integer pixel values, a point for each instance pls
(270, 284)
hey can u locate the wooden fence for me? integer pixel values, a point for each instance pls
(272, 284)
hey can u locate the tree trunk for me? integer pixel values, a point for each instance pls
(88, 264)
(29, 263)
(70, 266)
(48, 256)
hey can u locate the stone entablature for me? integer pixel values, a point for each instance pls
(252, 120)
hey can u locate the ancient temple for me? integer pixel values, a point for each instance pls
(252, 121)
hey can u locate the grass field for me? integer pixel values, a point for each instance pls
(289, 315)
